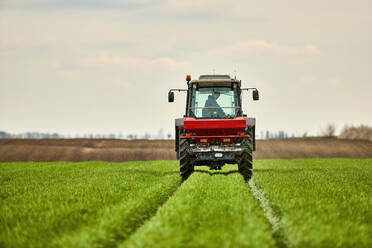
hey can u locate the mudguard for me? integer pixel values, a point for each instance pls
(251, 132)
(178, 124)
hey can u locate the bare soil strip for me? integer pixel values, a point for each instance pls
(12, 150)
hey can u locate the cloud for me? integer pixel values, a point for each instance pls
(107, 60)
(160, 8)
(195, 5)
(87, 4)
(314, 80)
(266, 47)
(189, 5)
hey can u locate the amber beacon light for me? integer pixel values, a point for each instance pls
(188, 78)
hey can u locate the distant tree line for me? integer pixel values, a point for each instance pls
(359, 132)
(29, 135)
(39, 135)
(274, 135)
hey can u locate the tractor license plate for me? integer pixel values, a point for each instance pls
(218, 155)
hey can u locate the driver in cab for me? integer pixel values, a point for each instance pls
(212, 108)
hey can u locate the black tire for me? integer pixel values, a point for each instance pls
(246, 165)
(186, 164)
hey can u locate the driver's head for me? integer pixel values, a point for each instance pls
(216, 95)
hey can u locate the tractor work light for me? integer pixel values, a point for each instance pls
(226, 140)
(203, 140)
(218, 155)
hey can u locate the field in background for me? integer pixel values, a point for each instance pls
(85, 150)
(288, 203)
(135, 150)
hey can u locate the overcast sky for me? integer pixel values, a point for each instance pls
(105, 66)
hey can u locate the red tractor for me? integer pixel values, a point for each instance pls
(214, 131)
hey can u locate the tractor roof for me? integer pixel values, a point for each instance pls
(215, 81)
(214, 77)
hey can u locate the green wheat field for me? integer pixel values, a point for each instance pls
(287, 203)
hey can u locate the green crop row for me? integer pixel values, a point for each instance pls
(319, 202)
(210, 209)
(294, 203)
(91, 204)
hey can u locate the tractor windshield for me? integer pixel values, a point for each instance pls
(218, 102)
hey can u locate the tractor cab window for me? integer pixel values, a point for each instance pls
(218, 102)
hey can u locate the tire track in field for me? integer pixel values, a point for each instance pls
(270, 214)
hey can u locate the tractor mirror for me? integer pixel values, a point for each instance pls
(255, 95)
(170, 96)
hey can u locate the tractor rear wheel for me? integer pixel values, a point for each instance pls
(245, 165)
(186, 164)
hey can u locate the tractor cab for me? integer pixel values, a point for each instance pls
(214, 100)
(213, 97)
